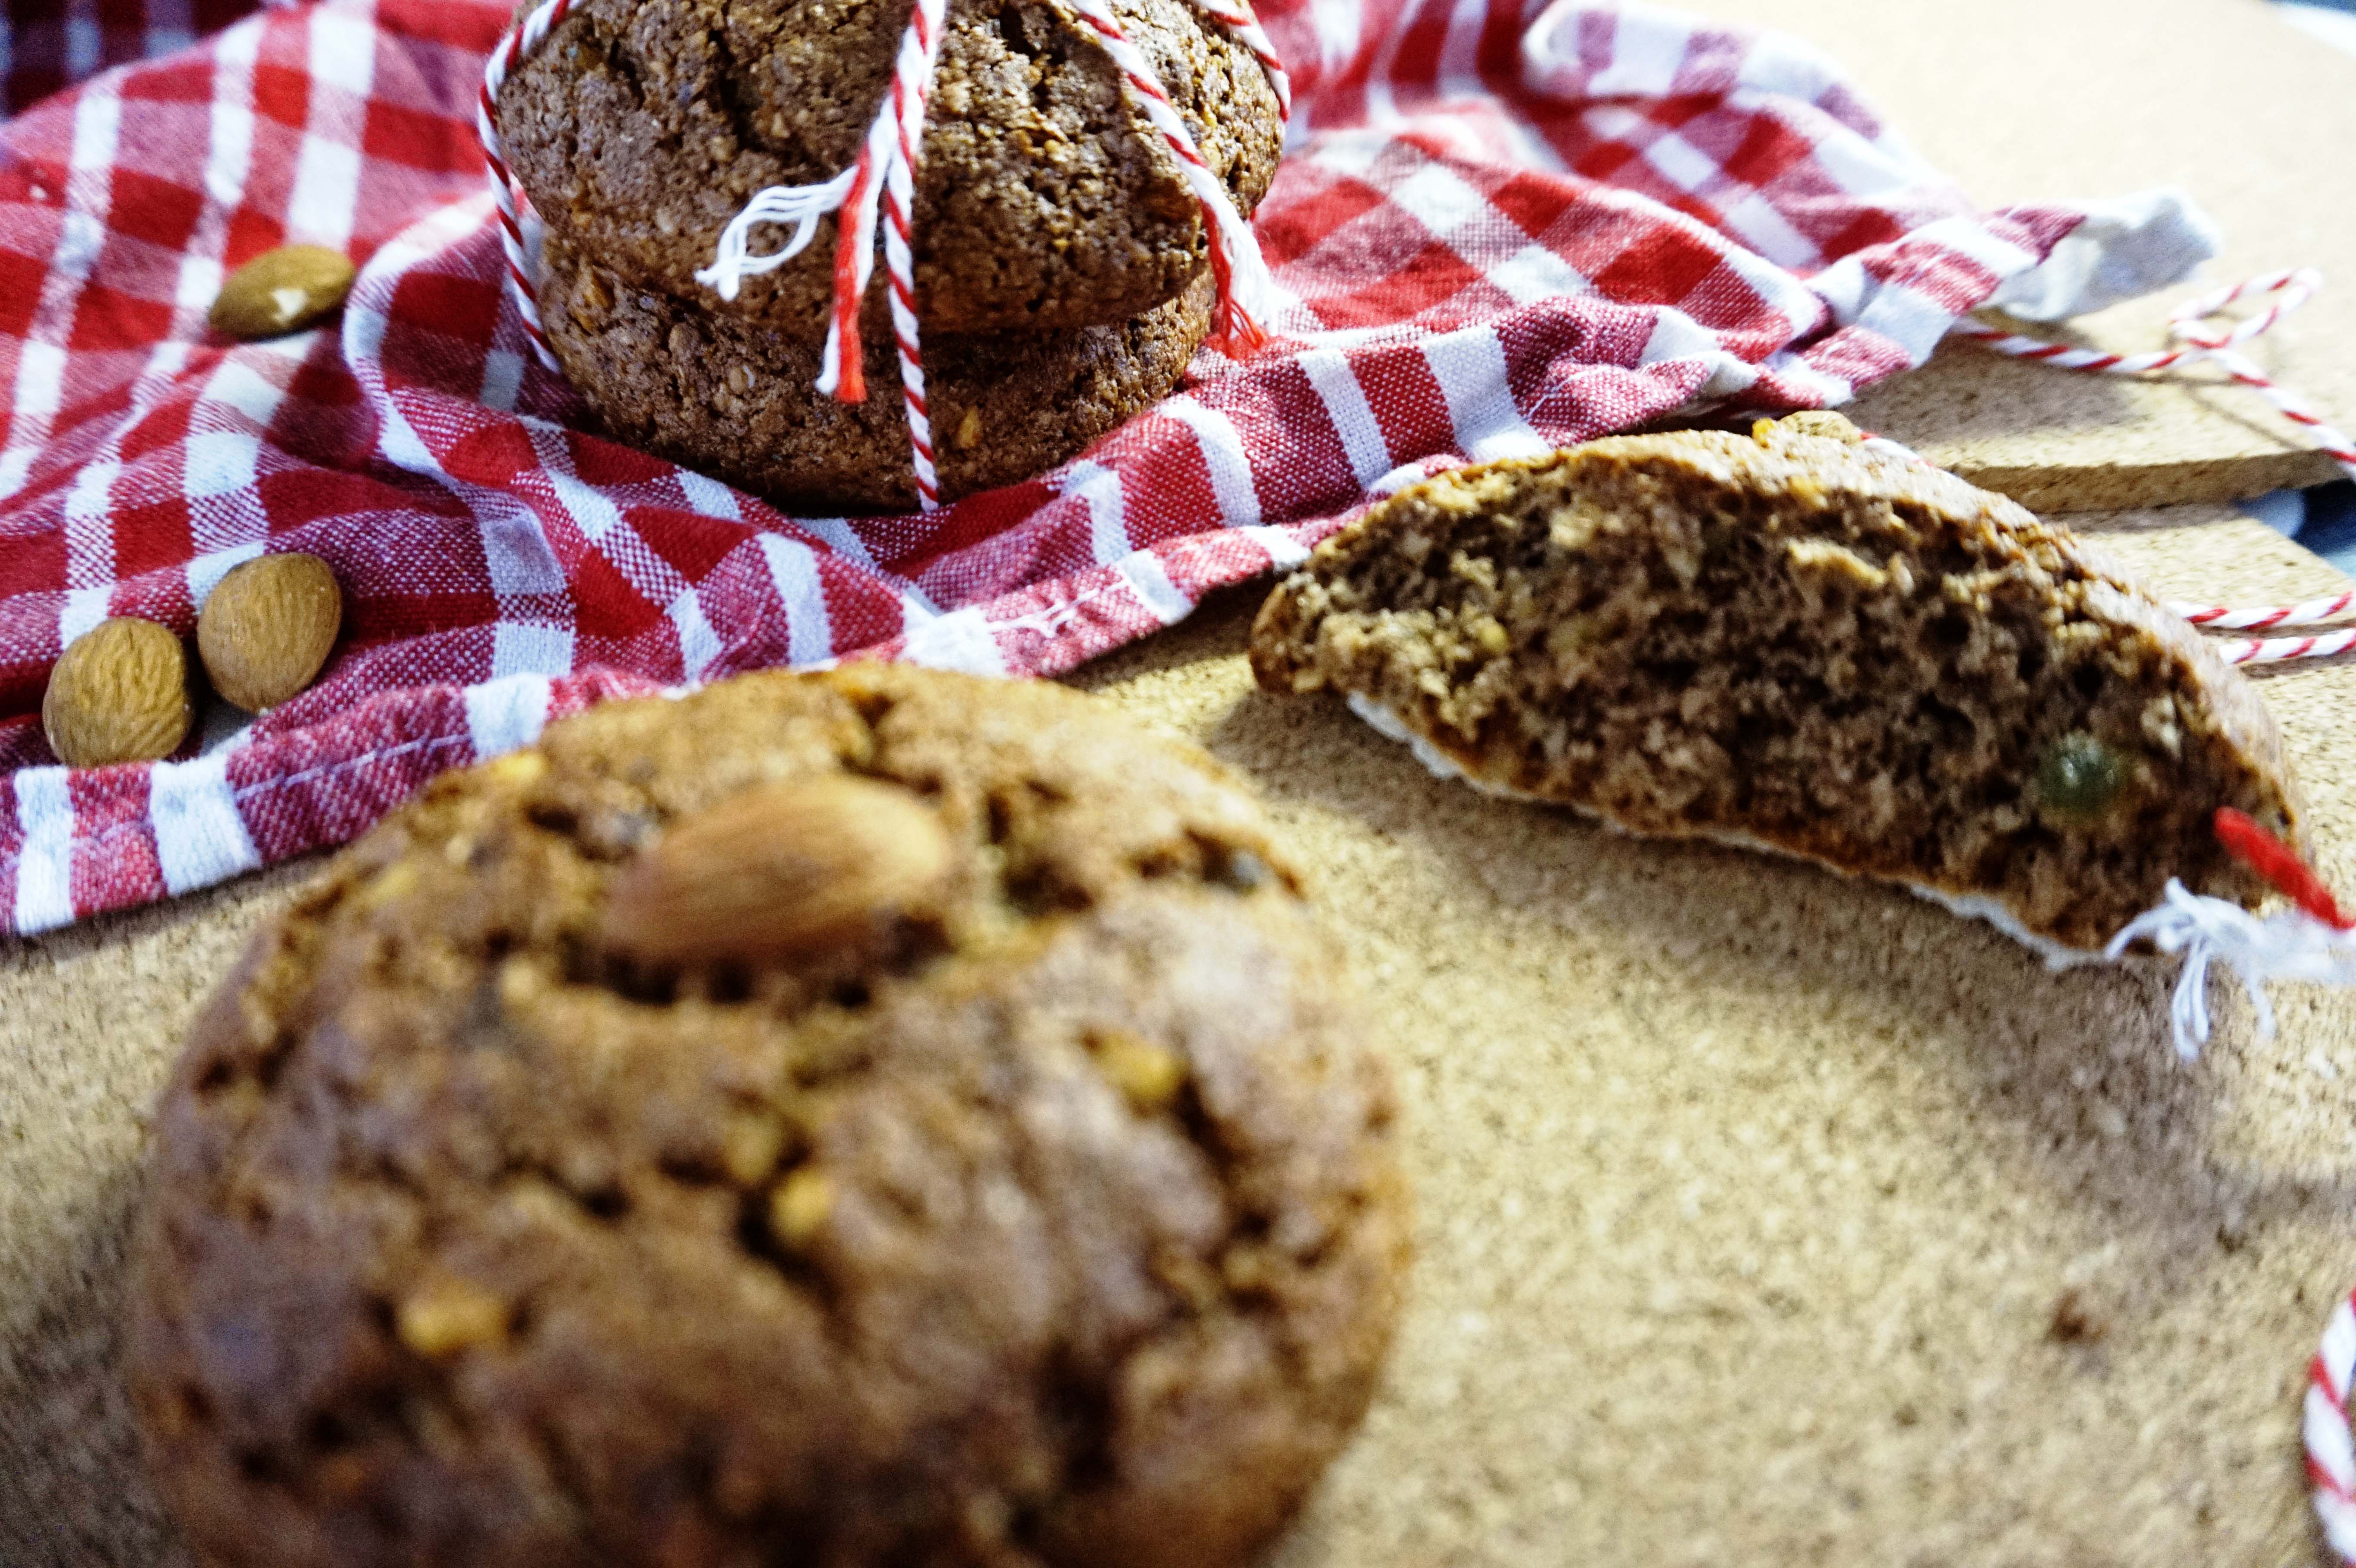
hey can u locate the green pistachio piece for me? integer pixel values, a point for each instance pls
(2081, 777)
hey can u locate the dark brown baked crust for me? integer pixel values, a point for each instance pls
(1072, 1233)
(1046, 199)
(1792, 639)
(736, 401)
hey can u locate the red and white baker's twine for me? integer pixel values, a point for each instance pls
(2295, 285)
(2312, 940)
(1237, 18)
(526, 37)
(912, 86)
(2225, 618)
(883, 177)
(1237, 266)
(2331, 1446)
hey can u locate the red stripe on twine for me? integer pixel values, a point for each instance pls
(1150, 88)
(850, 380)
(900, 95)
(1234, 333)
(1224, 324)
(2279, 864)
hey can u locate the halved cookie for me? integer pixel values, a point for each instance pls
(1793, 641)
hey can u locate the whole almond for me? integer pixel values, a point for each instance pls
(119, 694)
(780, 873)
(283, 291)
(268, 626)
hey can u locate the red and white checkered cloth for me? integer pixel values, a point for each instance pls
(1498, 231)
(46, 45)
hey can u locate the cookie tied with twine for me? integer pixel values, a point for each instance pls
(875, 196)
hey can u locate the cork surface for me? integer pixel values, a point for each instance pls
(2028, 101)
(1761, 1215)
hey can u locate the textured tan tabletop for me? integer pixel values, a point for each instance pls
(1764, 1217)
(2058, 101)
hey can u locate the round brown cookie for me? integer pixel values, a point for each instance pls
(873, 1118)
(1045, 198)
(732, 400)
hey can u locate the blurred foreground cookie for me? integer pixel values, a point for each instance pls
(738, 401)
(876, 1117)
(1788, 641)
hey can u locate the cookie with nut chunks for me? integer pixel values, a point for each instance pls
(1044, 197)
(866, 1117)
(741, 403)
(1793, 641)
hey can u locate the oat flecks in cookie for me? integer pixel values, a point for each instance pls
(1789, 639)
(738, 402)
(1044, 197)
(1055, 1221)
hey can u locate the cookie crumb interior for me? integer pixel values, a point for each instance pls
(1789, 638)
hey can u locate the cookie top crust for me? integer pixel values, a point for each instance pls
(864, 1117)
(1045, 198)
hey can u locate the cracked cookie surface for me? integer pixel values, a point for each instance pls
(1045, 198)
(1051, 1215)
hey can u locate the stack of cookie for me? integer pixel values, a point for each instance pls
(1061, 261)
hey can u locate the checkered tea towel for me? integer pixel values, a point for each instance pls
(1499, 230)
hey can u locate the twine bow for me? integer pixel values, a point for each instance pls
(2312, 940)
